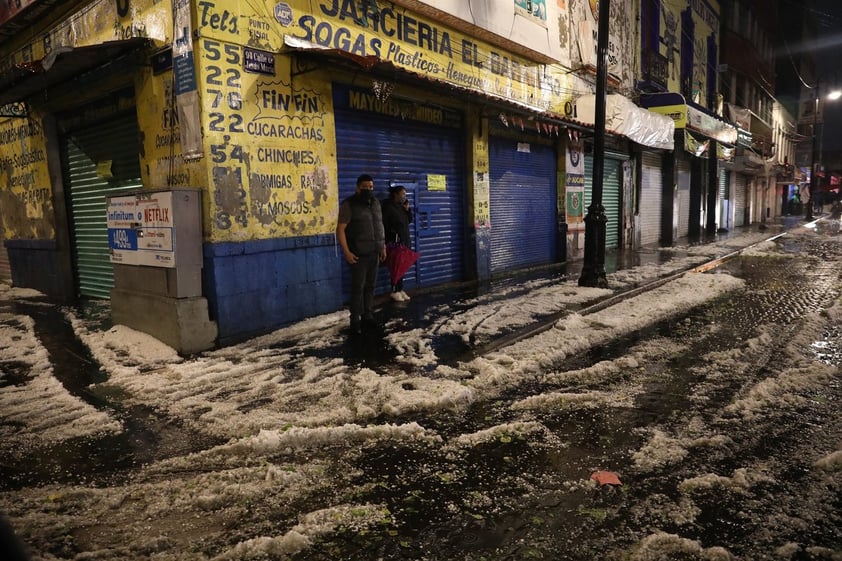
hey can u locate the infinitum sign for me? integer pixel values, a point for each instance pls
(140, 229)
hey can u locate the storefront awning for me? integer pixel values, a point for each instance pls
(690, 116)
(386, 69)
(623, 117)
(24, 80)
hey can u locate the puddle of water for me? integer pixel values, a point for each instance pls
(14, 373)
(148, 435)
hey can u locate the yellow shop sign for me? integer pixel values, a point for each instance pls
(387, 32)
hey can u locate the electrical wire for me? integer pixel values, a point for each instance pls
(795, 68)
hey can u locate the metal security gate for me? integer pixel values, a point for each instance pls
(724, 218)
(100, 161)
(523, 204)
(611, 182)
(651, 195)
(428, 159)
(739, 200)
(684, 199)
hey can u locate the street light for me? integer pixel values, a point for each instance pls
(832, 96)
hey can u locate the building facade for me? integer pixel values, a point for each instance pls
(680, 46)
(748, 88)
(269, 112)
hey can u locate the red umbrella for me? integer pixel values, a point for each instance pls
(399, 259)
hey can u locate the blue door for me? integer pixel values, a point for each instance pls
(422, 148)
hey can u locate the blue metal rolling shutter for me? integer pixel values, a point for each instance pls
(115, 141)
(611, 182)
(523, 205)
(406, 152)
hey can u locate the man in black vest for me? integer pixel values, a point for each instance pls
(360, 234)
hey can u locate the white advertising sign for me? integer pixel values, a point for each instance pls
(140, 229)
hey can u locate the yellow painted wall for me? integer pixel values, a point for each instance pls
(270, 136)
(706, 18)
(270, 149)
(26, 195)
(25, 187)
(162, 164)
(397, 35)
(93, 23)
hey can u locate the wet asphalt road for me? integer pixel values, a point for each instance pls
(715, 422)
(732, 421)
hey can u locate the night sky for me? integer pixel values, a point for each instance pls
(827, 46)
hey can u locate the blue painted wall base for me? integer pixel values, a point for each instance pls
(257, 286)
(39, 265)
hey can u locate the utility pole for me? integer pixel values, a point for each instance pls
(593, 269)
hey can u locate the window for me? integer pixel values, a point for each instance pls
(745, 22)
(734, 20)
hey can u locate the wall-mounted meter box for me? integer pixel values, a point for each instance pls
(155, 241)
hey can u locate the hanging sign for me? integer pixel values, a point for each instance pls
(694, 145)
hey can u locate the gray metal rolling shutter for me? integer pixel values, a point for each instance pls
(611, 183)
(684, 199)
(651, 195)
(523, 205)
(406, 152)
(739, 199)
(115, 141)
(724, 218)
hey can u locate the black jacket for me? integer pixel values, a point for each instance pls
(364, 232)
(396, 221)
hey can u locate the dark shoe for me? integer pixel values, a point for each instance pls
(356, 328)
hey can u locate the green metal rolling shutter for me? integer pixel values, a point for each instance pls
(115, 141)
(611, 181)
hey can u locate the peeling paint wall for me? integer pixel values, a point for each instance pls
(26, 192)
(269, 144)
(26, 195)
(94, 23)
(162, 164)
(584, 22)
